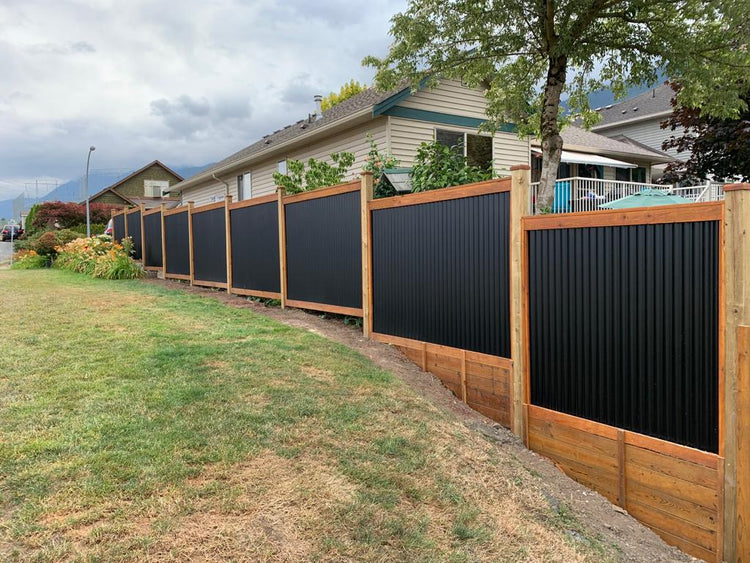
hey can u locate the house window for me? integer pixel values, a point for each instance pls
(639, 175)
(155, 188)
(476, 148)
(244, 186)
(282, 166)
(240, 187)
(622, 174)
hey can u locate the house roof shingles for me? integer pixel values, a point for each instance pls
(364, 100)
(652, 102)
(575, 138)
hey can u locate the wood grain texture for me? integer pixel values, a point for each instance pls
(742, 410)
(220, 285)
(253, 201)
(458, 192)
(326, 308)
(323, 192)
(209, 207)
(282, 246)
(366, 195)
(685, 213)
(256, 293)
(176, 210)
(675, 490)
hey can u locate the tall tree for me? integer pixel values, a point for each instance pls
(528, 55)
(351, 88)
(718, 147)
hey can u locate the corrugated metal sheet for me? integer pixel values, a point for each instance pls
(255, 247)
(209, 246)
(118, 226)
(441, 273)
(324, 250)
(177, 244)
(134, 232)
(152, 242)
(624, 327)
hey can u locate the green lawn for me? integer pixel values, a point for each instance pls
(138, 422)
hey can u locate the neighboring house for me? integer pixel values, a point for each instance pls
(398, 121)
(590, 155)
(638, 120)
(147, 186)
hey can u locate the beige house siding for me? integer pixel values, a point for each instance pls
(353, 140)
(449, 97)
(407, 134)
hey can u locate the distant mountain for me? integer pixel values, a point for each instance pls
(73, 190)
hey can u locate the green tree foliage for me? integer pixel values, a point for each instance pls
(376, 162)
(29, 226)
(437, 166)
(527, 55)
(351, 88)
(318, 174)
(718, 147)
(62, 215)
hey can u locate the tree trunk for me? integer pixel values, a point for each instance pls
(552, 142)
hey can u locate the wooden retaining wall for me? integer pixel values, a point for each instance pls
(675, 490)
(481, 381)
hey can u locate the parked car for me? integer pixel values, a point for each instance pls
(11, 231)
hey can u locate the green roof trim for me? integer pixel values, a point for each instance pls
(385, 105)
(445, 118)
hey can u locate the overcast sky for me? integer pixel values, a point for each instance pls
(186, 82)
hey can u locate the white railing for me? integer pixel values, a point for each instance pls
(573, 195)
(710, 191)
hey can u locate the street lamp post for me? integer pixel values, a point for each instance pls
(88, 214)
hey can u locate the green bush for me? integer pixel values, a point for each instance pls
(99, 257)
(438, 166)
(29, 260)
(96, 229)
(319, 173)
(45, 242)
(377, 162)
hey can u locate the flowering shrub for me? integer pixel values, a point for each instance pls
(28, 260)
(58, 214)
(99, 257)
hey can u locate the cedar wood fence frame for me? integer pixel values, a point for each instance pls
(716, 525)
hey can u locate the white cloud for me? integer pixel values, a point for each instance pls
(186, 82)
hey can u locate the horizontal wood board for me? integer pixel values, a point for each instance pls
(677, 494)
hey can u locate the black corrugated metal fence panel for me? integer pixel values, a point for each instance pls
(624, 327)
(134, 232)
(255, 247)
(440, 273)
(324, 250)
(177, 243)
(152, 242)
(118, 226)
(209, 246)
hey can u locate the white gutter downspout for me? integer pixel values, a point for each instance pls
(223, 182)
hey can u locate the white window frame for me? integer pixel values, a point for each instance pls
(465, 132)
(281, 167)
(159, 185)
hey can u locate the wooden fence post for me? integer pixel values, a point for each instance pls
(125, 221)
(142, 208)
(519, 206)
(163, 243)
(366, 195)
(736, 448)
(282, 245)
(228, 229)
(190, 241)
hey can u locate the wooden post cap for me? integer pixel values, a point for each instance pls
(520, 167)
